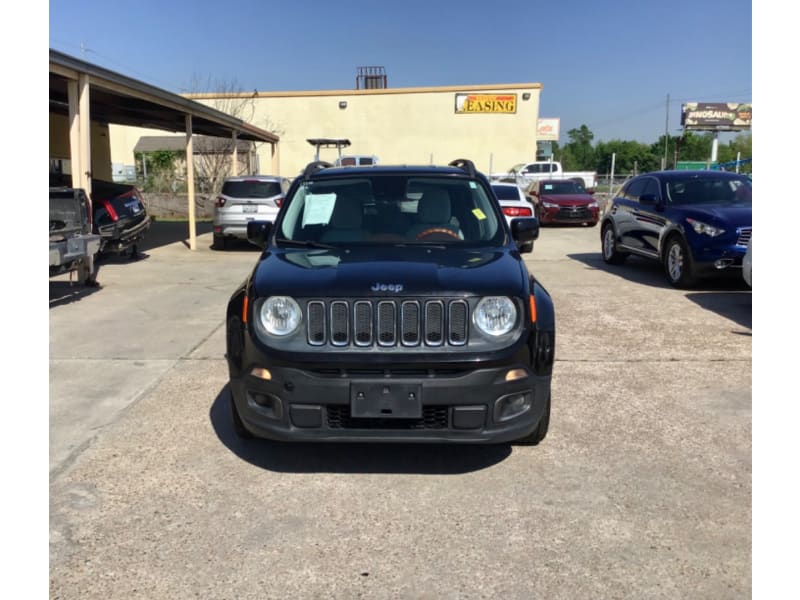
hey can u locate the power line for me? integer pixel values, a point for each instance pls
(84, 49)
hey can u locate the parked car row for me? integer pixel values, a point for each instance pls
(696, 223)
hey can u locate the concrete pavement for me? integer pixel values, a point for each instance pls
(642, 488)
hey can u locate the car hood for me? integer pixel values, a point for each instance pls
(568, 199)
(390, 271)
(731, 216)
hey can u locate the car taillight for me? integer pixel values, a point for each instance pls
(279, 201)
(220, 202)
(110, 210)
(514, 211)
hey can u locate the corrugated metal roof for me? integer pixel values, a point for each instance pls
(116, 98)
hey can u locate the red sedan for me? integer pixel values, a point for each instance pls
(564, 201)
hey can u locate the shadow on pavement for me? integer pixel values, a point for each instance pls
(164, 233)
(65, 292)
(736, 306)
(729, 296)
(649, 272)
(301, 457)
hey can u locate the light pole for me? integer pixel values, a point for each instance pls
(666, 137)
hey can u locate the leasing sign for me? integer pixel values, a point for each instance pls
(486, 103)
(716, 116)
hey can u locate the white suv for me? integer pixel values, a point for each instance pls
(243, 199)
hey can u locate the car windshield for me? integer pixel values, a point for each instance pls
(562, 187)
(391, 208)
(251, 189)
(695, 190)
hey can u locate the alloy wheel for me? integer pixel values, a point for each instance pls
(675, 261)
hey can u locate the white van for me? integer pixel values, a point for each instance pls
(356, 160)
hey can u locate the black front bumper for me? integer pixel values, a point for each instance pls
(431, 406)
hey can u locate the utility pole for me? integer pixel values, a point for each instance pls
(666, 136)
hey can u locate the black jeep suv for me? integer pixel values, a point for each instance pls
(391, 303)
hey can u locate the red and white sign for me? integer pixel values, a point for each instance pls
(548, 129)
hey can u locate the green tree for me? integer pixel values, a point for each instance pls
(741, 146)
(160, 168)
(694, 146)
(578, 153)
(630, 157)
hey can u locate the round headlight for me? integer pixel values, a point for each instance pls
(279, 315)
(495, 315)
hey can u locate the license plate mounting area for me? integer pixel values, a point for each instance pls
(385, 400)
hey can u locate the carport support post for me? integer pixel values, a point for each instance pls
(190, 182)
(235, 164)
(85, 180)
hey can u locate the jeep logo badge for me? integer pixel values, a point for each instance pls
(387, 287)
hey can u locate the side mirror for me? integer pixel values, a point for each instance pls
(524, 231)
(258, 232)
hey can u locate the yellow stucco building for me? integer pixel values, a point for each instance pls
(495, 126)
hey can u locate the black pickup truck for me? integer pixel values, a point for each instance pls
(119, 215)
(73, 246)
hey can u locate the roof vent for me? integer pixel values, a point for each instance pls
(371, 78)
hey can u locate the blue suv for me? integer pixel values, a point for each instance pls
(696, 223)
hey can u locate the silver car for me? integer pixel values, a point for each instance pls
(243, 199)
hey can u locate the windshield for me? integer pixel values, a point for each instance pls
(251, 189)
(391, 208)
(506, 192)
(711, 189)
(562, 187)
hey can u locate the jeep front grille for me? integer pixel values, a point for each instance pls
(387, 323)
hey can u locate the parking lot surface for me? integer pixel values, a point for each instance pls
(642, 488)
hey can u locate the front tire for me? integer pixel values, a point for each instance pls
(611, 255)
(538, 434)
(678, 264)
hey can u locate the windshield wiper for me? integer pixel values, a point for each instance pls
(305, 243)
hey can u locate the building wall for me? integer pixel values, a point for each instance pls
(99, 140)
(399, 125)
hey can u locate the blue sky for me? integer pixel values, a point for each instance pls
(607, 65)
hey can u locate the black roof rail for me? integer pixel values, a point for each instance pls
(315, 166)
(464, 164)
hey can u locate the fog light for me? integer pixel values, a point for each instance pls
(261, 373)
(511, 406)
(266, 404)
(723, 263)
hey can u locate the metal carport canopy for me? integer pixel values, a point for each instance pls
(86, 92)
